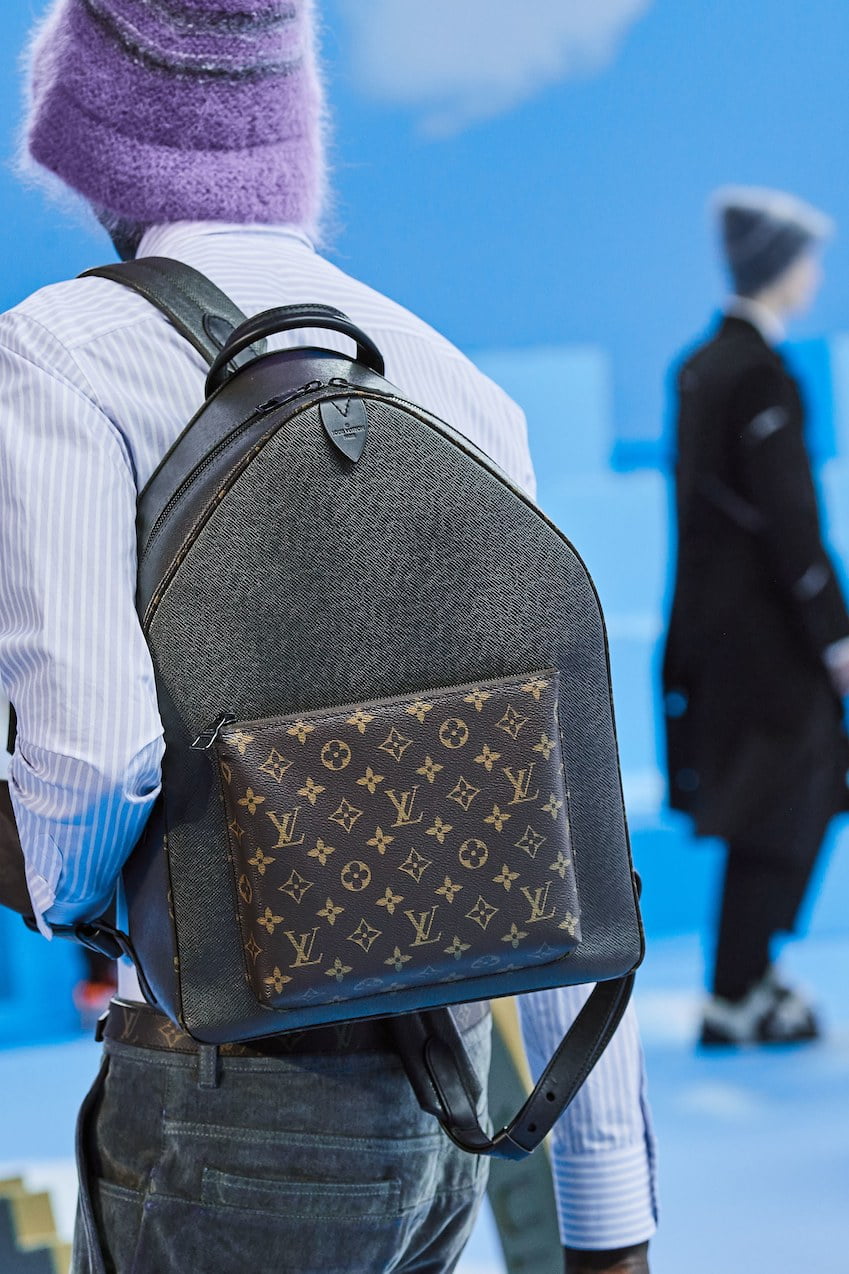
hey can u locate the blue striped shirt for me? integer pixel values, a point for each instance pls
(603, 1149)
(95, 386)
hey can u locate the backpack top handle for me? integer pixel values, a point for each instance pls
(219, 331)
(285, 318)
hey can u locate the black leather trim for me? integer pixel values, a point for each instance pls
(287, 318)
(445, 1083)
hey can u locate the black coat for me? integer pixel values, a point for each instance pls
(756, 748)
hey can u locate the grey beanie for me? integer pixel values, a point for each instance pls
(763, 232)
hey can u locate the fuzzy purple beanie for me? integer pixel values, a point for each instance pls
(171, 110)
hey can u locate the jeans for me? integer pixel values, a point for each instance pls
(320, 1164)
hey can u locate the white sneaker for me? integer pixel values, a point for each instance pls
(770, 1013)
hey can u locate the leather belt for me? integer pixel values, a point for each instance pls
(145, 1027)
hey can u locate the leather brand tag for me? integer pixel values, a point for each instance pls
(345, 423)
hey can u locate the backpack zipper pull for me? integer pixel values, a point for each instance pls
(207, 737)
(279, 399)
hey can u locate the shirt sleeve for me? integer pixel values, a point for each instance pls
(73, 661)
(777, 479)
(603, 1147)
(432, 372)
(498, 425)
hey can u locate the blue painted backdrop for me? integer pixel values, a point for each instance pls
(567, 208)
(533, 180)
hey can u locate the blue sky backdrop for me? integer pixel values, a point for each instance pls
(536, 174)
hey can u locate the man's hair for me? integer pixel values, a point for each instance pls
(125, 234)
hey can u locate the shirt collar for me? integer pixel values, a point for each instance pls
(169, 238)
(760, 316)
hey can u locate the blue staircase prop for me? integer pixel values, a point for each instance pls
(36, 982)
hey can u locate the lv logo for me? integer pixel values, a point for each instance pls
(404, 807)
(303, 944)
(345, 423)
(521, 784)
(286, 828)
(538, 900)
(422, 922)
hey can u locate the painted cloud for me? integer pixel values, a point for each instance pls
(458, 61)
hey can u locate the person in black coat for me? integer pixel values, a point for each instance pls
(756, 659)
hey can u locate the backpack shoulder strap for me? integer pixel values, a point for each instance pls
(198, 309)
(438, 1067)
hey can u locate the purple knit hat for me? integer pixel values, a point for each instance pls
(171, 110)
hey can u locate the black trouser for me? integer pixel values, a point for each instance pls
(761, 896)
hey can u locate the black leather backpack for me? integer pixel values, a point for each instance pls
(391, 780)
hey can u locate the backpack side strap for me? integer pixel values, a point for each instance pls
(437, 1064)
(198, 309)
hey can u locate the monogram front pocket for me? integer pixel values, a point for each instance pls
(403, 842)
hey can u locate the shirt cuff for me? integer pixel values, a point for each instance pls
(607, 1199)
(77, 825)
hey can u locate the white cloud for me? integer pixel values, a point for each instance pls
(458, 61)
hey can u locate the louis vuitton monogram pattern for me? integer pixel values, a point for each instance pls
(412, 841)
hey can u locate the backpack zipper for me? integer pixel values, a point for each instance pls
(207, 737)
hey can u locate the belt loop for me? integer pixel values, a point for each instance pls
(207, 1066)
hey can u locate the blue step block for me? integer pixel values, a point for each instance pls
(36, 983)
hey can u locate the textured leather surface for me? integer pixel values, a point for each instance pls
(246, 409)
(300, 582)
(405, 843)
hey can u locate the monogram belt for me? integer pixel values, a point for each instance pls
(145, 1027)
